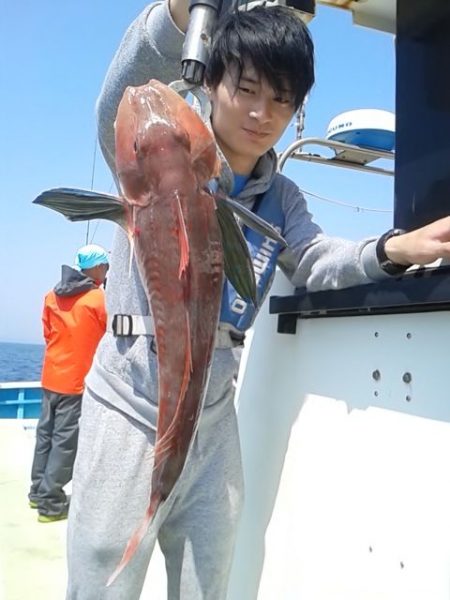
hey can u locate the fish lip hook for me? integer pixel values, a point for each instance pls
(182, 87)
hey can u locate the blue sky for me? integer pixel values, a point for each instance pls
(53, 60)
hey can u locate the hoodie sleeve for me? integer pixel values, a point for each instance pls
(316, 261)
(150, 48)
(46, 330)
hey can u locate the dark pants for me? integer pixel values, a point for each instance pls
(54, 455)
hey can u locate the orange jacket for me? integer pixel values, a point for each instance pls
(73, 325)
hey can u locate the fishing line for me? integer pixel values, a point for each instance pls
(94, 158)
(344, 204)
(111, 187)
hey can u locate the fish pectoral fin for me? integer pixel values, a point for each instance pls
(238, 264)
(82, 205)
(254, 222)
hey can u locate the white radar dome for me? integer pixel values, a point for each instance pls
(366, 127)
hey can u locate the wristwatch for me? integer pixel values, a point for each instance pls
(386, 263)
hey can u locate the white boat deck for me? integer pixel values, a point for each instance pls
(32, 554)
(346, 472)
(32, 561)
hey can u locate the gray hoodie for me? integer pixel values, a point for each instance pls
(124, 370)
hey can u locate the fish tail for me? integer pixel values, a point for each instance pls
(183, 239)
(133, 543)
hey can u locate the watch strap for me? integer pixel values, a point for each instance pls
(386, 263)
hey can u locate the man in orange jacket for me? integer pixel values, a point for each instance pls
(74, 321)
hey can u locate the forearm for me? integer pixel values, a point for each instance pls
(334, 263)
(337, 263)
(316, 261)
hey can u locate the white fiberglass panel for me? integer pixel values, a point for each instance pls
(345, 431)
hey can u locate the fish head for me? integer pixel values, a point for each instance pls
(161, 143)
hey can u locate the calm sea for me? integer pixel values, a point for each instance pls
(20, 362)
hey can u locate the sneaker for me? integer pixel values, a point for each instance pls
(52, 518)
(32, 504)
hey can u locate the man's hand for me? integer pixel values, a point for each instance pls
(421, 246)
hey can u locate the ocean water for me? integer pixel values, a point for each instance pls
(20, 362)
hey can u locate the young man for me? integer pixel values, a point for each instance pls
(74, 320)
(255, 83)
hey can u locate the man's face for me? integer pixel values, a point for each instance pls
(248, 117)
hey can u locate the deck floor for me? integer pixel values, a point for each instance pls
(32, 554)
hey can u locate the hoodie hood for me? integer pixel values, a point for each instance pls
(73, 282)
(262, 176)
(259, 182)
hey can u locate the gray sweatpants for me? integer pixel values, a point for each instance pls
(55, 451)
(111, 489)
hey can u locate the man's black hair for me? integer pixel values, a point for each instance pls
(273, 40)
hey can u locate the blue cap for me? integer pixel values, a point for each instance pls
(90, 256)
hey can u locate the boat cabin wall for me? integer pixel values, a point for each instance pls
(422, 183)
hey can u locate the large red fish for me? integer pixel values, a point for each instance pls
(165, 156)
(183, 240)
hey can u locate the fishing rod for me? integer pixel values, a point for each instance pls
(203, 15)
